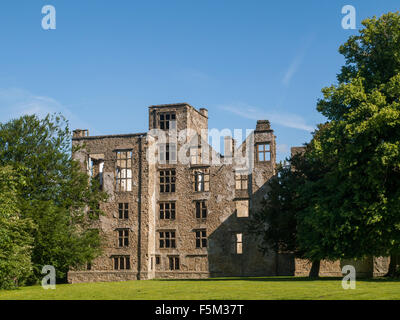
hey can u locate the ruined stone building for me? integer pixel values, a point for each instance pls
(177, 208)
(173, 212)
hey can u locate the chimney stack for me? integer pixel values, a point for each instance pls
(229, 146)
(79, 133)
(263, 125)
(204, 112)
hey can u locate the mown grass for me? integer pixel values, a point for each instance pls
(263, 288)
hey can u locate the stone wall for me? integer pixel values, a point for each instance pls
(222, 224)
(108, 224)
(327, 268)
(368, 267)
(100, 276)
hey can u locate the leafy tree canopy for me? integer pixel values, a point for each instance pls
(56, 192)
(15, 233)
(357, 202)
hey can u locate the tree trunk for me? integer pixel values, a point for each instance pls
(276, 264)
(314, 272)
(392, 266)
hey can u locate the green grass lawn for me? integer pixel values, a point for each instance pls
(218, 288)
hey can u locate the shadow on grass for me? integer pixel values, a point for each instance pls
(288, 279)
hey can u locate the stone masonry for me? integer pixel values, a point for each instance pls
(170, 219)
(177, 208)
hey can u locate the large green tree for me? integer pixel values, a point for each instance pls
(277, 223)
(56, 192)
(356, 204)
(16, 239)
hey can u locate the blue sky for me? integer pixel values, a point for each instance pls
(107, 61)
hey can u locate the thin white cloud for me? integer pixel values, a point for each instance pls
(297, 61)
(15, 102)
(289, 120)
(294, 66)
